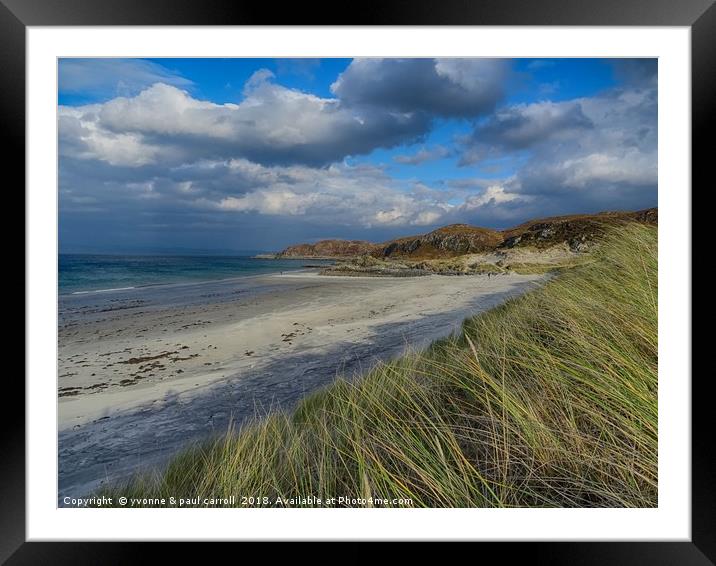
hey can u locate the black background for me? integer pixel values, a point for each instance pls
(15, 15)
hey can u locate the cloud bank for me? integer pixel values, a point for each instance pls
(160, 160)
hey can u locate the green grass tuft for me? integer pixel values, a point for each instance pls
(548, 400)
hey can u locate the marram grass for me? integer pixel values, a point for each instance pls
(549, 400)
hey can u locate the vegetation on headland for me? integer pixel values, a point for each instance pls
(548, 400)
(576, 231)
(523, 261)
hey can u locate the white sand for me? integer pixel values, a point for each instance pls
(150, 369)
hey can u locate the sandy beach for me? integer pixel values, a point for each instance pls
(144, 371)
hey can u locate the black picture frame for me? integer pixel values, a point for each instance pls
(699, 15)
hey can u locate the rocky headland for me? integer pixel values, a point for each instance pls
(536, 246)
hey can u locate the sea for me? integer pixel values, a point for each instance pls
(84, 273)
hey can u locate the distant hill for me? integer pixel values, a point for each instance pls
(576, 230)
(330, 248)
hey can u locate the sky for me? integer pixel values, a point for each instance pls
(256, 154)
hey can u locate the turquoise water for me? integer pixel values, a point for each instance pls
(80, 273)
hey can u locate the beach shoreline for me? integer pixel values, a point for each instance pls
(144, 371)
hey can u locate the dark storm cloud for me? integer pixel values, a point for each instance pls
(525, 125)
(442, 87)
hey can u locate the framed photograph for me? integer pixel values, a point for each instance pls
(421, 275)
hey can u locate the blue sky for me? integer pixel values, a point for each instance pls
(257, 154)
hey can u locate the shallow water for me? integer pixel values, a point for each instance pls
(83, 273)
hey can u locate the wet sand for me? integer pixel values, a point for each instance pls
(142, 372)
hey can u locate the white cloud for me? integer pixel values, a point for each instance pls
(631, 167)
(493, 195)
(273, 124)
(278, 202)
(589, 153)
(350, 196)
(479, 77)
(82, 137)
